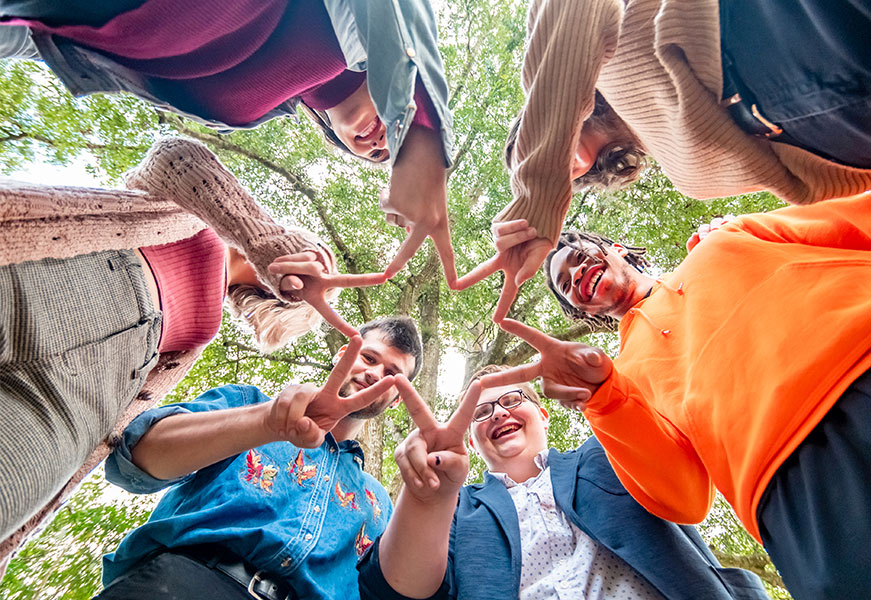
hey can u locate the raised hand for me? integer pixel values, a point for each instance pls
(433, 460)
(418, 200)
(705, 230)
(306, 277)
(570, 372)
(304, 414)
(519, 253)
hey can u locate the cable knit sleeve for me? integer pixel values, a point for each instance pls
(653, 459)
(187, 172)
(569, 41)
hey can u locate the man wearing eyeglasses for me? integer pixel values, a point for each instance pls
(544, 524)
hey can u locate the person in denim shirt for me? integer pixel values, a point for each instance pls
(268, 495)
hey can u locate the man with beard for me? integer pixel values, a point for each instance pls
(267, 497)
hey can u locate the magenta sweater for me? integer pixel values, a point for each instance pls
(231, 61)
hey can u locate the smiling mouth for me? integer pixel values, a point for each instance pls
(504, 430)
(588, 283)
(371, 132)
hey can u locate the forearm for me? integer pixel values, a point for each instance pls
(188, 173)
(569, 41)
(184, 443)
(414, 548)
(653, 459)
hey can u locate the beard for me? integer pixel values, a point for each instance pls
(368, 412)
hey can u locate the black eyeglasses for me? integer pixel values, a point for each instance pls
(508, 400)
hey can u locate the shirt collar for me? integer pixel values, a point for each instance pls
(540, 461)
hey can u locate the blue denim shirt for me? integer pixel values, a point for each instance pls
(305, 514)
(394, 41)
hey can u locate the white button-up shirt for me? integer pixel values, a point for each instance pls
(559, 560)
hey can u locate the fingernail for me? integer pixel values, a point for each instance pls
(418, 483)
(438, 460)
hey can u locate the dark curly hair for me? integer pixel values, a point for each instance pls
(620, 162)
(574, 239)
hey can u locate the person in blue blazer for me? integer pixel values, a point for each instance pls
(543, 524)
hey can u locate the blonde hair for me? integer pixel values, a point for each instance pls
(276, 322)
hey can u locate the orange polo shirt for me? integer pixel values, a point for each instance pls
(735, 357)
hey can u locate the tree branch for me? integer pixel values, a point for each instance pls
(298, 361)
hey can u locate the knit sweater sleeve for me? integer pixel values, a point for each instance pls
(653, 459)
(569, 41)
(187, 172)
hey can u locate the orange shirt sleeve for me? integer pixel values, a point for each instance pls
(654, 461)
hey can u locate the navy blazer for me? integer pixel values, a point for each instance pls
(485, 556)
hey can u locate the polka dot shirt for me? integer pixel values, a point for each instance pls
(559, 560)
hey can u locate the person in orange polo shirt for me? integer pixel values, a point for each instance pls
(744, 370)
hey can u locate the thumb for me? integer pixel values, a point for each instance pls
(452, 465)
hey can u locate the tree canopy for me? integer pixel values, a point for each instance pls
(292, 172)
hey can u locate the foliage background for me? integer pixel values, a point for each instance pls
(288, 168)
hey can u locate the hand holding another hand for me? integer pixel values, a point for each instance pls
(305, 277)
(519, 254)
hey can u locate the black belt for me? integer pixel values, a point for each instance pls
(741, 104)
(264, 586)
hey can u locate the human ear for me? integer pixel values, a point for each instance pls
(621, 250)
(339, 354)
(545, 416)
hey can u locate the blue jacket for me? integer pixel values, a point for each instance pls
(485, 557)
(302, 514)
(394, 41)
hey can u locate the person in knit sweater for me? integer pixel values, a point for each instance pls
(722, 95)
(744, 370)
(100, 318)
(369, 74)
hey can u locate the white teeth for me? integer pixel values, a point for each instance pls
(592, 285)
(369, 129)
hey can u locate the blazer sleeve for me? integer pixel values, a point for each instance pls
(569, 41)
(654, 461)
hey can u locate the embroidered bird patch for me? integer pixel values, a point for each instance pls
(257, 473)
(301, 471)
(373, 500)
(346, 499)
(362, 543)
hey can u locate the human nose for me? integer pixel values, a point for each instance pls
(499, 412)
(374, 374)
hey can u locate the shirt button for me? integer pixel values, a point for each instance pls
(410, 52)
(308, 537)
(332, 449)
(326, 477)
(317, 509)
(410, 106)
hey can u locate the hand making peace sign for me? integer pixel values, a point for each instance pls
(418, 201)
(306, 277)
(570, 372)
(304, 414)
(433, 460)
(519, 253)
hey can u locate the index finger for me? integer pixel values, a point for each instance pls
(347, 280)
(535, 338)
(441, 237)
(340, 372)
(406, 251)
(462, 417)
(333, 318)
(479, 273)
(521, 374)
(417, 408)
(506, 299)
